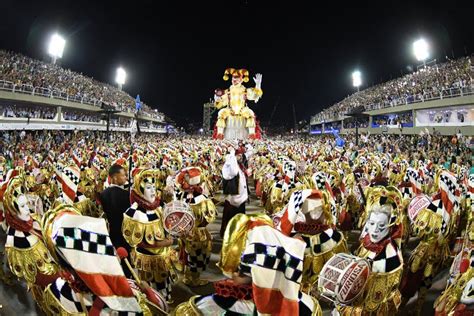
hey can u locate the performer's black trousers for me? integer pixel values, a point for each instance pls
(229, 212)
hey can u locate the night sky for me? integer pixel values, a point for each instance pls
(175, 52)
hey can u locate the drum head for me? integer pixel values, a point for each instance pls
(178, 219)
(343, 278)
(417, 204)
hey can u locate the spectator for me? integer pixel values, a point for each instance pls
(443, 80)
(30, 75)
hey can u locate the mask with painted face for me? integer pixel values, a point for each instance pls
(23, 208)
(149, 192)
(144, 189)
(377, 225)
(15, 200)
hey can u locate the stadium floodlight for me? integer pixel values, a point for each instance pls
(56, 47)
(120, 77)
(421, 50)
(357, 79)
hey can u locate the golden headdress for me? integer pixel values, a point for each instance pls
(14, 189)
(142, 178)
(47, 225)
(380, 196)
(242, 73)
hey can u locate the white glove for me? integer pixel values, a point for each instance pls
(258, 81)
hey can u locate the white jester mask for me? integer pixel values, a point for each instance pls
(23, 208)
(149, 192)
(377, 225)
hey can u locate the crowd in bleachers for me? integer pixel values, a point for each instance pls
(72, 115)
(401, 119)
(32, 112)
(431, 82)
(350, 123)
(120, 122)
(27, 73)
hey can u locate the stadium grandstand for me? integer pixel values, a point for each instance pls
(438, 96)
(39, 95)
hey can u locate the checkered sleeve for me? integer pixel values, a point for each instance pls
(78, 239)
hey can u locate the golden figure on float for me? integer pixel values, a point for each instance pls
(232, 102)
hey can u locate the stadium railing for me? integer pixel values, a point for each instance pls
(443, 94)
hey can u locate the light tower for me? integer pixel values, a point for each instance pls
(56, 47)
(120, 77)
(357, 79)
(421, 50)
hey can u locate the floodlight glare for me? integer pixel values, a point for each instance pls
(56, 46)
(356, 79)
(421, 49)
(120, 77)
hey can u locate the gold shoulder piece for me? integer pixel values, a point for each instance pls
(27, 263)
(135, 232)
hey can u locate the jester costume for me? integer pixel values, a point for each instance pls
(232, 102)
(251, 249)
(28, 257)
(142, 228)
(434, 224)
(196, 246)
(92, 281)
(308, 214)
(381, 295)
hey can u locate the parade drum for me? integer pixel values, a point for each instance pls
(343, 278)
(154, 300)
(417, 204)
(178, 218)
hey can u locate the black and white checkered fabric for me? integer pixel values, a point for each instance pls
(135, 212)
(407, 193)
(437, 207)
(285, 187)
(320, 179)
(71, 176)
(448, 183)
(413, 176)
(297, 200)
(72, 303)
(46, 203)
(19, 239)
(67, 297)
(164, 287)
(198, 261)
(272, 257)
(289, 167)
(387, 260)
(327, 240)
(451, 185)
(78, 239)
(306, 304)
